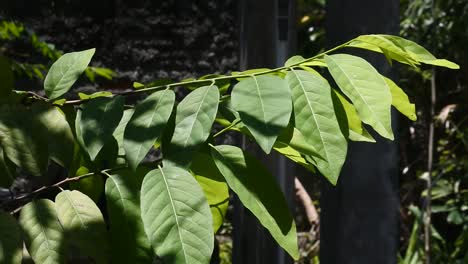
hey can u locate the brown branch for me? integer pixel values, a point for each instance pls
(60, 183)
(309, 207)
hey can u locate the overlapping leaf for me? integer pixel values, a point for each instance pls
(213, 185)
(11, 243)
(83, 224)
(60, 136)
(401, 101)
(176, 217)
(194, 118)
(98, 120)
(258, 191)
(128, 241)
(65, 71)
(366, 88)
(264, 105)
(44, 237)
(315, 118)
(147, 125)
(24, 148)
(357, 132)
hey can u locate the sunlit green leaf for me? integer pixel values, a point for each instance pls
(65, 71)
(83, 224)
(44, 237)
(259, 192)
(147, 125)
(195, 116)
(315, 118)
(264, 105)
(366, 88)
(294, 60)
(357, 132)
(401, 101)
(214, 186)
(176, 216)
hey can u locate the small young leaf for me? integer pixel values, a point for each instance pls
(315, 118)
(264, 105)
(11, 244)
(44, 237)
(214, 186)
(259, 192)
(176, 217)
(128, 240)
(99, 118)
(401, 101)
(194, 118)
(65, 71)
(83, 224)
(366, 88)
(147, 125)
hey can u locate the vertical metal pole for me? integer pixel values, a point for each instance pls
(359, 217)
(267, 38)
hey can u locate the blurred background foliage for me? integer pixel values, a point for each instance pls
(440, 26)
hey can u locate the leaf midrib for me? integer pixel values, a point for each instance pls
(196, 116)
(357, 91)
(262, 104)
(313, 114)
(174, 213)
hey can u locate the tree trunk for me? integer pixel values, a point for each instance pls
(359, 219)
(267, 38)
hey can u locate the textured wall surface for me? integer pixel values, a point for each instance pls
(141, 40)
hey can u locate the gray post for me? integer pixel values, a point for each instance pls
(359, 219)
(267, 39)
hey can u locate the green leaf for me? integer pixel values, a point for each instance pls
(146, 125)
(90, 186)
(119, 134)
(214, 186)
(389, 48)
(7, 171)
(357, 132)
(60, 136)
(99, 118)
(128, 240)
(259, 192)
(25, 149)
(195, 116)
(65, 71)
(366, 88)
(44, 236)
(315, 118)
(419, 53)
(292, 154)
(264, 105)
(83, 224)
(176, 216)
(11, 243)
(6, 77)
(84, 96)
(294, 60)
(401, 101)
